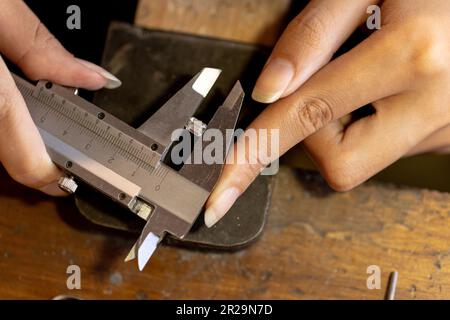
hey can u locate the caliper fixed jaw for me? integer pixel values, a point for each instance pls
(154, 231)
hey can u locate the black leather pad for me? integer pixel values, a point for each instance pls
(152, 66)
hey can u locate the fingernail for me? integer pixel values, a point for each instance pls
(223, 203)
(112, 83)
(273, 80)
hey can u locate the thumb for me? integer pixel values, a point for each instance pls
(40, 55)
(307, 44)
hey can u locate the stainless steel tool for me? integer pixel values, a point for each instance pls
(125, 163)
(392, 286)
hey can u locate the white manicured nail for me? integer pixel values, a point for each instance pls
(224, 202)
(273, 81)
(112, 81)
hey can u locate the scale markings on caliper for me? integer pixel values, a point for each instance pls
(125, 163)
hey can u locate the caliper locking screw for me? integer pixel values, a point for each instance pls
(67, 184)
(142, 209)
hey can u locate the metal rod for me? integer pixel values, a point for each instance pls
(392, 286)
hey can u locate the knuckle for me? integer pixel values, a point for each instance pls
(309, 29)
(312, 114)
(429, 59)
(429, 51)
(341, 183)
(341, 173)
(43, 39)
(41, 43)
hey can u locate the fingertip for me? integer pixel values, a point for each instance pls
(85, 78)
(109, 81)
(220, 205)
(210, 218)
(264, 97)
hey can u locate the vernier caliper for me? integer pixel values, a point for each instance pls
(125, 163)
